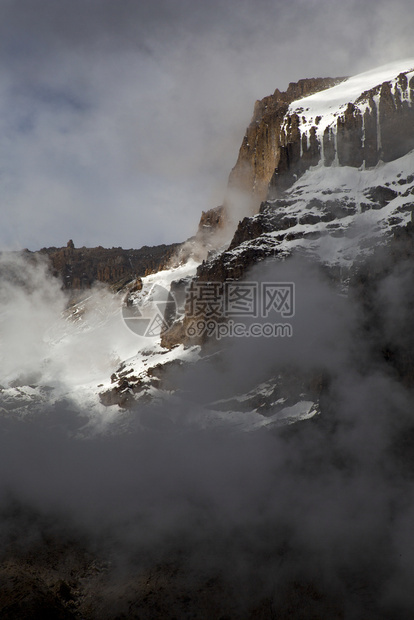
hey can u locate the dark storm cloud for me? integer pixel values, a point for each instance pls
(120, 121)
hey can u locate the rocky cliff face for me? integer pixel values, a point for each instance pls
(79, 268)
(260, 151)
(348, 122)
(343, 126)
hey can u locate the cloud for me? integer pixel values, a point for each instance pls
(41, 345)
(326, 504)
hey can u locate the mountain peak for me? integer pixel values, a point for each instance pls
(356, 121)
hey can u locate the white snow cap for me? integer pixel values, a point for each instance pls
(334, 100)
(327, 105)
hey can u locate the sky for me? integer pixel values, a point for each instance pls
(120, 120)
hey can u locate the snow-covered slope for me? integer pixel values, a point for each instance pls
(50, 357)
(340, 213)
(334, 214)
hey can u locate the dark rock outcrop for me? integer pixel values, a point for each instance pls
(80, 268)
(234, 265)
(211, 221)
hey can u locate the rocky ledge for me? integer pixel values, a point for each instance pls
(80, 268)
